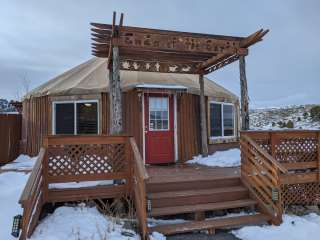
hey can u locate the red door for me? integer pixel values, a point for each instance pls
(159, 134)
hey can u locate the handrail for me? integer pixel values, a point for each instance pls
(139, 189)
(138, 159)
(260, 172)
(31, 180)
(266, 154)
(32, 197)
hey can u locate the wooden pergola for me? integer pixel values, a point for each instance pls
(154, 50)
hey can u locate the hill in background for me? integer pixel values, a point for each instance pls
(290, 117)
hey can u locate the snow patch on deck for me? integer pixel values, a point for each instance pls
(22, 163)
(228, 158)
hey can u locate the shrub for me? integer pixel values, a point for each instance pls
(305, 115)
(290, 124)
(315, 113)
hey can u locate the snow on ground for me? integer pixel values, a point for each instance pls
(11, 184)
(81, 223)
(23, 162)
(228, 158)
(155, 222)
(293, 228)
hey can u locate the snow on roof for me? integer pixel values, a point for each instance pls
(91, 78)
(160, 86)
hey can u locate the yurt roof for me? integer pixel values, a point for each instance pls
(91, 77)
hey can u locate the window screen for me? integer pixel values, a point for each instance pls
(64, 118)
(87, 118)
(158, 113)
(215, 116)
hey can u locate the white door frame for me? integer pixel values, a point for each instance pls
(175, 128)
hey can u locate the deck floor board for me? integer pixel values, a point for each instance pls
(185, 172)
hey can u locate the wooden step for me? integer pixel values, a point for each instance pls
(169, 229)
(191, 184)
(189, 197)
(162, 211)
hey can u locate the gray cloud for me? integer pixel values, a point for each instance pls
(41, 39)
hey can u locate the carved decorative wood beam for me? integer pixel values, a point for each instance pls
(143, 49)
(253, 38)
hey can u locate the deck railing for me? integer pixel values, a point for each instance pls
(283, 166)
(73, 159)
(106, 167)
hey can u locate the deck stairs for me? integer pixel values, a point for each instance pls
(171, 196)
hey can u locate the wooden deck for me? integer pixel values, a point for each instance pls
(277, 169)
(189, 172)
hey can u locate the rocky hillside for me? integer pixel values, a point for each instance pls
(295, 117)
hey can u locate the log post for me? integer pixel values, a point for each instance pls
(318, 157)
(203, 125)
(115, 94)
(244, 94)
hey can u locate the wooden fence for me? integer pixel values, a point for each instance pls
(74, 159)
(10, 135)
(281, 168)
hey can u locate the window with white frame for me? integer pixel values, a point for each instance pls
(222, 120)
(76, 117)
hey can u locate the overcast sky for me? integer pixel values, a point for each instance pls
(41, 39)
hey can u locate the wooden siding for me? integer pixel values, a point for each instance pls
(132, 116)
(10, 135)
(188, 118)
(35, 121)
(132, 110)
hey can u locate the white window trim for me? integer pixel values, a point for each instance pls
(222, 127)
(54, 103)
(159, 130)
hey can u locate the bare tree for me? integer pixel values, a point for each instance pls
(24, 87)
(25, 84)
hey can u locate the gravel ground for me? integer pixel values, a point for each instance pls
(202, 236)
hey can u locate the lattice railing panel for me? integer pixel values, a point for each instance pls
(296, 150)
(301, 193)
(86, 159)
(264, 143)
